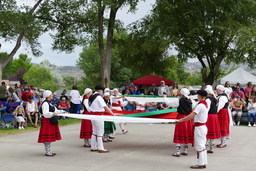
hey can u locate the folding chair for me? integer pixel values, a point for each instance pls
(8, 118)
(12, 106)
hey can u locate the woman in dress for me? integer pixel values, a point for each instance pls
(49, 130)
(86, 125)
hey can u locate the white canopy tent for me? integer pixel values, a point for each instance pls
(239, 75)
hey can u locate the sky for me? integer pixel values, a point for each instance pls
(64, 59)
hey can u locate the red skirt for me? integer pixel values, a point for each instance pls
(48, 132)
(224, 122)
(183, 133)
(86, 128)
(213, 127)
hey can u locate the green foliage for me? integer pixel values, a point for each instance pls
(210, 30)
(40, 77)
(11, 68)
(69, 81)
(89, 62)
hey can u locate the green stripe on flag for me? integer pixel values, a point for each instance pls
(145, 114)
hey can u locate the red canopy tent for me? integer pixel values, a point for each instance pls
(151, 79)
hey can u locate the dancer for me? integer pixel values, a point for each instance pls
(49, 130)
(212, 123)
(109, 127)
(96, 107)
(86, 125)
(183, 131)
(117, 103)
(223, 115)
(199, 115)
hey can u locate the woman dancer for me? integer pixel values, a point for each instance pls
(86, 125)
(49, 130)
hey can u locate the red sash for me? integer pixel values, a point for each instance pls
(203, 102)
(96, 113)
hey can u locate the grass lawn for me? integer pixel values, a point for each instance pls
(10, 131)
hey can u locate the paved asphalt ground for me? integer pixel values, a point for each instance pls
(147, 147)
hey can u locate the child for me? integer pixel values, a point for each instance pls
(251, 111)
(20, 116)
(64, 106)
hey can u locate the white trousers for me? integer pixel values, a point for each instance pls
(200, 141)
(97, 135)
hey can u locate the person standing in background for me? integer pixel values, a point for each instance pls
(74, 99)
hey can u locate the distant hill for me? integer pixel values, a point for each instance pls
(70, 71)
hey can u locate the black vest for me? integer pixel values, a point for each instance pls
(213, 108)
(185, 106)
(53, 119)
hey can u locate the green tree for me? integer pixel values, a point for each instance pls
(19, 25)
(39, 77)
(80, 22)
(69, 81)
(23, 62)
(210, 30)
(89, 62)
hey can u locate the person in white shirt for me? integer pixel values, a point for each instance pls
(97, 106)
(49, 130)
(200, 116)
(163, 88)
(251, 111)
(74, 99)
(223, 115)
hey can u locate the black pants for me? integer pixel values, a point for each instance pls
(73, 107)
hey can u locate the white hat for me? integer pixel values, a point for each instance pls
(106, 94)
(115, 89)
(46, 94)
(185, 92)
(87, 90)
(209, 90)
(220, 87)
(106, 90)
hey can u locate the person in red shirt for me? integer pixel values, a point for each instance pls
(26, 94)
(64, 105)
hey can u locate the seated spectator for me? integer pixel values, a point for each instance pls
(238, 92)
(38, 99)
(239, 84)
(55, 101)
(151, 106)
(228, 89)
(12, 96)
(136, 91)
(153, 90)
(17, 90)
(64, 105)
(163, 105)
(20, 116)
(175, 91)
(251, 111)
(25, 95)
(253, 92)
(32, 110)
(126, 88)
(237, 107)
(141, 90)
(3, 92)
(247, 91)
(163, 88)
(2, 109)
(140, 106)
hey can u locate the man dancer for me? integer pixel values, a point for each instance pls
(200, 116)
(96, 107)
(223, 115)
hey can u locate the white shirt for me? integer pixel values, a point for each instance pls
(140, 107)
(251, 105)
(86, 104)
(47, 113)
(97, 105)
(208, 101)
(222, 100)
(201, 113)
(31, 106)
(75, 96)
